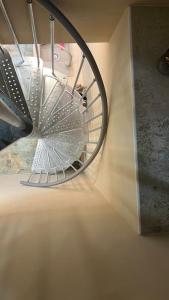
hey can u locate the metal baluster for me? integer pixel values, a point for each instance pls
(47, 177)
(91, 103)
(40, 177)
(57, 176)
(11, 29)
(81, 162)
(78, 74)
(93, 118)
(52, 37)
(71, 166)
(93, 143)
(95, 129)
(31, 175)
(87, 152)
(89, 87)
(33, 30)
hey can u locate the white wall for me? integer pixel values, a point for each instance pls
(117, 176)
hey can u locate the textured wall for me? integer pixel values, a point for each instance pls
(150, 34)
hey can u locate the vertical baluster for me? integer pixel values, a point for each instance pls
(40, 177)
(92, 102)
(52, 38)
(35, 41)
(88, 89)
(11, 29)
(64, 174)
(78, 74)
(47, 177)
(30, 177)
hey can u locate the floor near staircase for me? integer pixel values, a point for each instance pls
(17, 158)
(68, 243)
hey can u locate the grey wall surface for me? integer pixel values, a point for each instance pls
(150, 39)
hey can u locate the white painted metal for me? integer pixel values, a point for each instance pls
(78, 74)
(58, 152)
(11, 87)
(10, 26)
(52, 37)
(30, 77)
(32, 19)
(69, 135)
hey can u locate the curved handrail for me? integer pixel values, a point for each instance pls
(55, 12)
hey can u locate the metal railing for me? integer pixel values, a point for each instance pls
(57, 116)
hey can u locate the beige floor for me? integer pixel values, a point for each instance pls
(67, 243)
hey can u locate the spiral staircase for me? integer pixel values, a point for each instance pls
(69, 130)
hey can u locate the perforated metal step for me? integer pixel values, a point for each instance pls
(70, 133)
(31, 79)
(12, 84)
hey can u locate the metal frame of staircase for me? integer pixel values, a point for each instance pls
(42, 179)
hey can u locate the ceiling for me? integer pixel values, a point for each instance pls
(95, 20)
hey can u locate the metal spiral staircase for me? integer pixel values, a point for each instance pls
(69, 130)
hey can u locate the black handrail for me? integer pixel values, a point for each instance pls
(86, 51)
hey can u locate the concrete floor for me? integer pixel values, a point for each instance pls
(67, 243)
